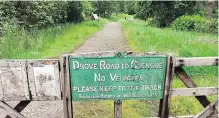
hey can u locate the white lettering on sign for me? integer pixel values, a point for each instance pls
(116, 77)
(77, 65)
(99, 77)
(138, 65)
(134, 64)
(104, 65)
(85, 89)
(107, 88)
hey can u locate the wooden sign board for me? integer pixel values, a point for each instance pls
(119, 77)
(22, 80)
(13, 81)
(44, 79)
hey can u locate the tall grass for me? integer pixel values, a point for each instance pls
(18, 43)
(144, 38)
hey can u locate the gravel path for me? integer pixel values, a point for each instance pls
(111, 38)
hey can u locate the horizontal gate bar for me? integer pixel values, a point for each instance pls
(196, 61)
(190, 116)
(200, 91)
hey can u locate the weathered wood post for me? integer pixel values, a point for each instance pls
(165, 102)
(66, 88)
(117, 109)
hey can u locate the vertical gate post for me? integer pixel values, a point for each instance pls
(118, 109)
(165, 102)
(66, 87)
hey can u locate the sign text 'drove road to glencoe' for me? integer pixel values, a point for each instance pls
(118, 78)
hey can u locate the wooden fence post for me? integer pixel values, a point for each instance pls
(66, 87)
(165, 102)
(118, 109)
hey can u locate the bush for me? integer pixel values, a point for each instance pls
(213, 26)
(195, 23)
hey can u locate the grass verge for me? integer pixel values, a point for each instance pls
(51, 42)
(144, 38)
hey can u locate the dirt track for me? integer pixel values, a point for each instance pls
(110, 38)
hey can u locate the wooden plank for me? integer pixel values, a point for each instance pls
(11, 112)
(213, 116)
(13, 79)
(165, 103)
(196, 61)
(112, 53)
(63, 85)
(25, 81)
(66, 90)
(31, 81)
(44, 79)
(118, 109)
(1, 90)
(184, 77)
(189, 116)
(20, 106)
(207, 111)
(200, 91)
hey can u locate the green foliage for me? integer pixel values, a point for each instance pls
(187, 23)
(130, 7)
(195, 23)
(207, 10)
(7, 10)
(36, 14)
(87, 8)
(163, 12)
(42, 14)
(104, 8)
(75, 9)
(144, 38)
(18, 43)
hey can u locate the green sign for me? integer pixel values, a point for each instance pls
(117, 78)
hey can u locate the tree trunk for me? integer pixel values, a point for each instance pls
(210, 9)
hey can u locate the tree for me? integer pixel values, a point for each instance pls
(130, 7)
(74, 11)
(103, 8)
(87, 8)
(163, 12)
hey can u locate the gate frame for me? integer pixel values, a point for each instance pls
(175, 66)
